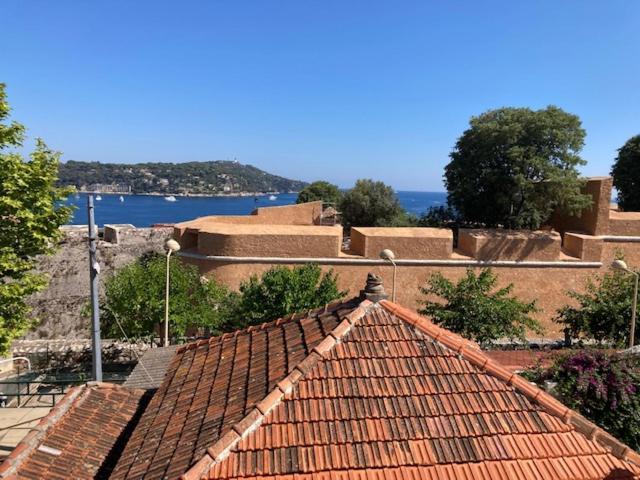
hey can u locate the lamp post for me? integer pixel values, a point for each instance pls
(172, 246)
(388, 255)
(621, 265)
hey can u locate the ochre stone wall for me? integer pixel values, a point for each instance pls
(270, 241)
(586, 238)
(548, 286)
(509, 245)
(419, 243)
(624, 223)
(594, 220)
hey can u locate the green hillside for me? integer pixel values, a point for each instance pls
(215, 177)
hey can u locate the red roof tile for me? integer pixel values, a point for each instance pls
(368, 391)
(81, 437)
(213, 385)
(389, 401)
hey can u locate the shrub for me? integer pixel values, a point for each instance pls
(135, 298)
(603, 387)
(603, 311)
(372, 204)
(476, 310)
(320, 190)
(281, 291)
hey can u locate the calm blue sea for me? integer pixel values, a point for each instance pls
(145, 210)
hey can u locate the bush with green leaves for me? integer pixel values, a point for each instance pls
(135, 299)
(476, 309)
(320, 190)
(603, 311)
(372, 204)
(281, 291)
(604, 387)
(30, 217)
(626, 175)
(515, 167)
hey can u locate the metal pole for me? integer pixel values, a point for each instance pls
(634, 307)
(393, 291)
(166, 304)
(94, 269)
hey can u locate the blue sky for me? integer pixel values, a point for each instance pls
(335, 90)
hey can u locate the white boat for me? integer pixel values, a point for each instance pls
(170, 198)
(98, 197)
(272, 197)
(121, 198)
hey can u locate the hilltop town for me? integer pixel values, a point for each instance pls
(222, 177)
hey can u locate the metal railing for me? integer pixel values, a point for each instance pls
(34, 392)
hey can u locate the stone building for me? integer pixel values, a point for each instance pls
(542, 265)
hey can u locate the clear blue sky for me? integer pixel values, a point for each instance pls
(336, 90)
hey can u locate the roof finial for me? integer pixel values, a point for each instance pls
(373, 290)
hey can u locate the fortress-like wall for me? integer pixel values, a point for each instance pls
(542, 265)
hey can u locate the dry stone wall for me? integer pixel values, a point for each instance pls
(58, 308)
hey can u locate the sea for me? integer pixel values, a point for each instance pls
(147, 210)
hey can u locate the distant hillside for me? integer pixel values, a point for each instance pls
(211, 178)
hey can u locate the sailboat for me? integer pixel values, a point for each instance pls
(121, 198)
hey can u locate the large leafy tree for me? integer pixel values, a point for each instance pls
(372, 204)
(320, 190)
(30, 217)
(475, 309)
(513, 167)
(134, 302)
(281, 291)
(626, 175)
(602, 312)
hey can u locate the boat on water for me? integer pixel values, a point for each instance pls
(121, 198)
(170, 198)
(98, 197)
(272, 197)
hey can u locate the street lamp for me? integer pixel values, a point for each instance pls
(621, 265)
(388, 255)
(172, 246)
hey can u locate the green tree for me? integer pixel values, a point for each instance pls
(603, 310)
(372, 204)
(281, 291)
(514, 167)
(134, 298)
(626, 175)
(476, 310)
(320, 190)
(30, 217)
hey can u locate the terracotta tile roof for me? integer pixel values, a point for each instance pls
(353, 391)
(151, 369)
(211, 385)
(81, 437)
(389, 395)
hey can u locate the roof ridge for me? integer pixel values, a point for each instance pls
(223, 446)
(470, 352)
(278, 321)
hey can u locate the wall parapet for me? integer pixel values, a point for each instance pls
(485, 244)
(425, 243)
(347, 260)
